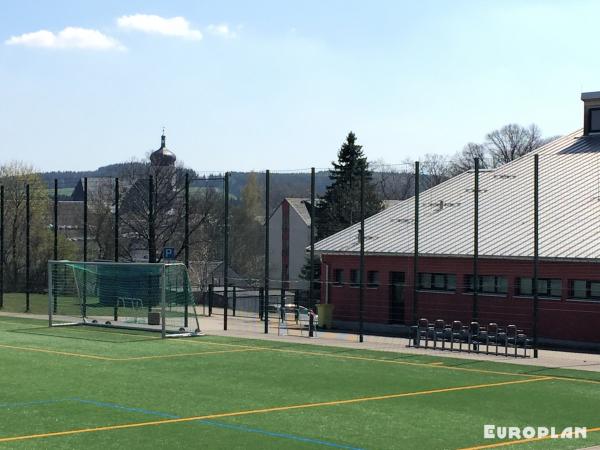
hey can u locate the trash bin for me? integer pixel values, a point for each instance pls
(153, 318)
(325, 312)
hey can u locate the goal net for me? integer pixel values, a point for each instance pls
(145, 296)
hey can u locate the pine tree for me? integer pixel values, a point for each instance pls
(340, 205)
(305, 275)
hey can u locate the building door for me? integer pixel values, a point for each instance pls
(396, 297)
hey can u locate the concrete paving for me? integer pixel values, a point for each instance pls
(250, 327)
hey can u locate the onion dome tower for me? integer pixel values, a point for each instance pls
(163, 157)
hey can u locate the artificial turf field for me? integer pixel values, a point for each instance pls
(82, 387)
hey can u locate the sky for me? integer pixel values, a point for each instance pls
(242, 85)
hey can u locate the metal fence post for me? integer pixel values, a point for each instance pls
(55, 220)
(361, 275)
(266, 280)
(226, 253)
(210, 299)
(116, 239)
(27, 245)
(186, 244)
(261, 302)
(1, 246)
(85, 218)
(416, 245)
(475, 317)
(234, 295)
(55, 252)
(151, 237)
(85, 236)
(311, 289)
(536, 255)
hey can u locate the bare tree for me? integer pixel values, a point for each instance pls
(465, 159)
(101, 218)
(500, 147)
(393, 182)
(436, 169)
(153, 209)
(513, 141)
(15, 176)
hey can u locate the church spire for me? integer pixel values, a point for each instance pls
(163, 156)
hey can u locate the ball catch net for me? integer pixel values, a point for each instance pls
(156, 297)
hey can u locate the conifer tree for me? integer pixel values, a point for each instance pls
(339, 207)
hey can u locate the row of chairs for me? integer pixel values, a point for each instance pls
(453, 336)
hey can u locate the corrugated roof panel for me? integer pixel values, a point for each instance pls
(569, 198)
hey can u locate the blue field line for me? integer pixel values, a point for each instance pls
(124, 408)
(280, 435)
(218, 424)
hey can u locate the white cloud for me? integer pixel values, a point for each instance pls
(148, 23)
(70, 37)
(221, 30)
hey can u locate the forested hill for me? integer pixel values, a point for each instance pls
(282, 184)
(389, 184)
(69, 178)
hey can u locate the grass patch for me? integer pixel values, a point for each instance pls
(135, 391)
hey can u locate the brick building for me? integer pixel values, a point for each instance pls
(569, 247)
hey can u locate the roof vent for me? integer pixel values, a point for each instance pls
(591, 112)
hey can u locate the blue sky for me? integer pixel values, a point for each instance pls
(278, 84)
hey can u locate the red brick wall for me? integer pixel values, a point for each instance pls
(558, 319)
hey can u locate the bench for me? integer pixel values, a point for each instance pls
(473, 337)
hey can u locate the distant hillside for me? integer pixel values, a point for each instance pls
(392, 185)
(69, 178)
(282, 184)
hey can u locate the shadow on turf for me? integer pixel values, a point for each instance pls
(117, 339)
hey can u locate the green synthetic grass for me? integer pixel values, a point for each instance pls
(73, 378)
(16, 302)
(38, 304)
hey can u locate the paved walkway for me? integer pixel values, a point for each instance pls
(249, 327)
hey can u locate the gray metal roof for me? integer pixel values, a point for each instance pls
(300, 206)
(569, 193)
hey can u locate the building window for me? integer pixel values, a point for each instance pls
(353, 277)
(584, 290)
(488, 284)
(547, 287)
(437, 281)
(594, 120)
(372, 278)
(338, 276)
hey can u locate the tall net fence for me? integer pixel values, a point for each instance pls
(393, 243)
(26, 242)
(206, 226)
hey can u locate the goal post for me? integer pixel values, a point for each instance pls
(144, 296)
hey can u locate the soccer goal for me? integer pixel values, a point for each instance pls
(145, 296)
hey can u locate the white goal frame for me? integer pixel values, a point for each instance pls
(164, 329)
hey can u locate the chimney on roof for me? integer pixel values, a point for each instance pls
(591, 112)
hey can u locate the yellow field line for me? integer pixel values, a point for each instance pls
(266, 410)
(389, 361)
(56, 352)
(176, 355)
(132, 358)
(519, 441)
(438, 365)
